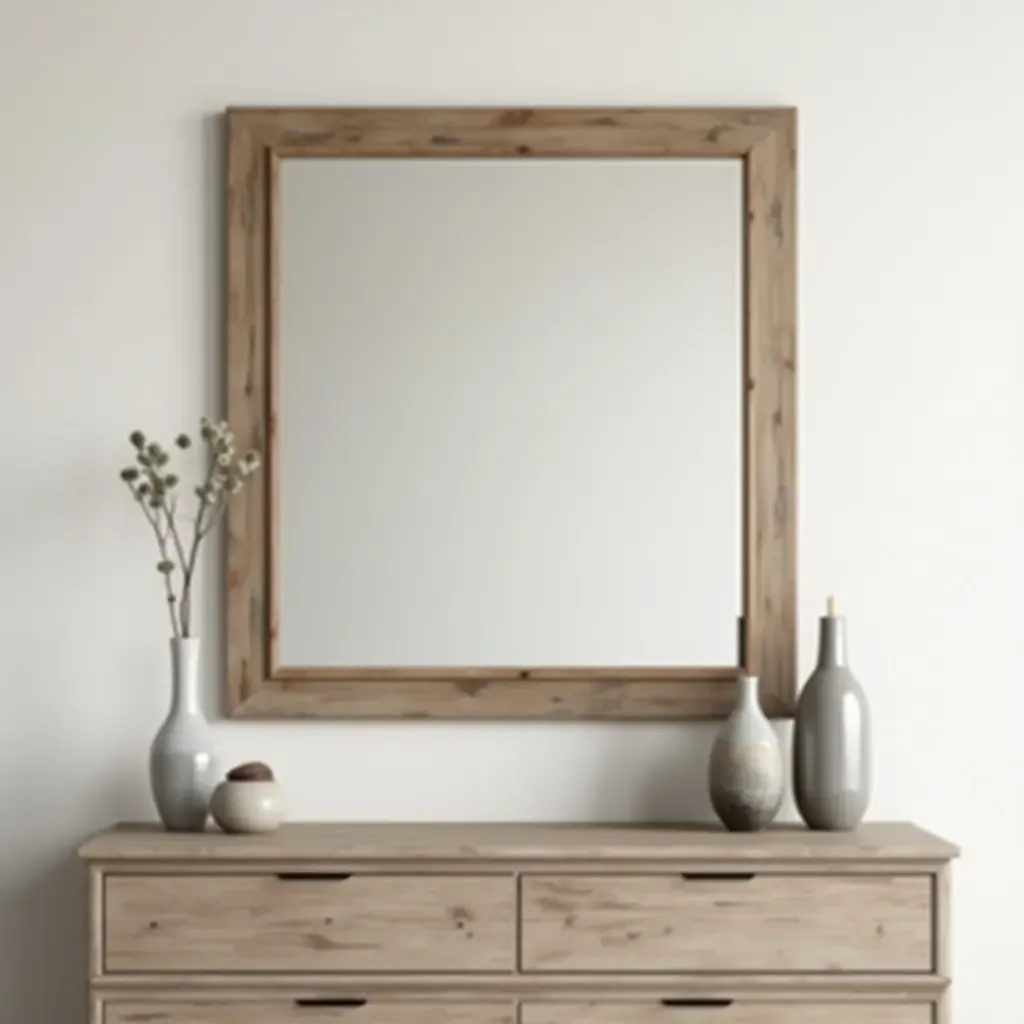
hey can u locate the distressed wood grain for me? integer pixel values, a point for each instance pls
(257, 923)
(199, 929)
(346, 694)
(770, 416)
(511, 132)
(943, 928)
(567, 843)
(765, 139)
(308, 1011)
(758, 924)
(452, 986)
(730, 1013)
(247, 409)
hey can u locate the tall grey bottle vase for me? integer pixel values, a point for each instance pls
(183, 770)
(832, 737)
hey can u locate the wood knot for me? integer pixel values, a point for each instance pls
(514, 117)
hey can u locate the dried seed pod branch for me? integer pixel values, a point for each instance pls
(154, 488)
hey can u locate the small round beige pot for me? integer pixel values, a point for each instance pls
(247, 806)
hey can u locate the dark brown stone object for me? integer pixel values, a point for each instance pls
(251, 771)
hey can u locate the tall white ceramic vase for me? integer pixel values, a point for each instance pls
(183, 770)
(746, 773)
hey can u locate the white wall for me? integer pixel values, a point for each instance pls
(912, 481)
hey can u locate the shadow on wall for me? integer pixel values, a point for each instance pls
(213, 269)
(73, 764)
(43, 906)
(671, 784)
(43, 914)
(676, 788)
(668, 784)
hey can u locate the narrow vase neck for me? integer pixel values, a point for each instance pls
(746, 691)
(832, 651)
(185, 676)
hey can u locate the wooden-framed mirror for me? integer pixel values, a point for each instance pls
(524, 382)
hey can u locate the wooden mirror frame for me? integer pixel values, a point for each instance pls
(765, 140)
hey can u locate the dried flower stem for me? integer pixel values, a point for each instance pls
(171, 511)
(161, 540)
(152, 485)
(189, 563)
(184, 607)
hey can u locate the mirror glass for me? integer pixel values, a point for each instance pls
(509, 412)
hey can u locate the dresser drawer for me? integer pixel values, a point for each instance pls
(820, 923)
(737, 1012)
(279, 1011)
(263, 922)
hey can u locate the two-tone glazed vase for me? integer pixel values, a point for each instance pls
(746, 772)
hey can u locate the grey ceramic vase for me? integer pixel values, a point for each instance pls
(745, 774)
(183, 770)
(832, 738)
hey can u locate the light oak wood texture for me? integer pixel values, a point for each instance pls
(247, 358)
(943, 936)
(233, 944)
(95, 919)
(508, 133)
(736, 1013)
(769, 511)
(500, 694)
(453, 986)
(943, 925)
(308, 1012)
(760, 924)
(265, 923)
(323, 842)
(765, 139)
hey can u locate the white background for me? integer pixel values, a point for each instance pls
(911, 352)
(509, 412)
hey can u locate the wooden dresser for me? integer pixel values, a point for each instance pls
(519, 924)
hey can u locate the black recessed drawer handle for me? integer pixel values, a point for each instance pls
(697, 1004)
(726, 876)
(312, 876)
(349, 1004)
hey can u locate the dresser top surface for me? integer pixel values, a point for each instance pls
(324, 841)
